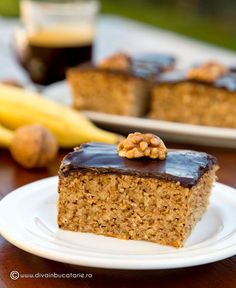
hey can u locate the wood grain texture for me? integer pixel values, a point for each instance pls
(217, 275)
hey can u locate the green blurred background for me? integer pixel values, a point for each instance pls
(213, 21)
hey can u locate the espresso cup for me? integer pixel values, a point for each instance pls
(57, 35)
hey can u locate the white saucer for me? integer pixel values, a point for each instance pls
(28, 221)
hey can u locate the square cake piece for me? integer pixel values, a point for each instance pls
(140, 198)
(112, 92)
(203, 95)
(118, 85)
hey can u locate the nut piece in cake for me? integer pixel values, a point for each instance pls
(139, 198)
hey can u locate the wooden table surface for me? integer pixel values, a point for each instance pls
(217, 275)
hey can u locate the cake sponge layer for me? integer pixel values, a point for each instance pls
(113, 92)
(131, 207)
(194, 103)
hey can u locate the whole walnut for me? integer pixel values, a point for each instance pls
(33, 146)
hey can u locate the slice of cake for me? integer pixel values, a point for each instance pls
(118, 85)
(136, 192)
(204, 95)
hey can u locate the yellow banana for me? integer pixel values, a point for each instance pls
(6, 136)
(19, 107)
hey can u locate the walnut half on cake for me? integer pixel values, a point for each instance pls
(138, 197)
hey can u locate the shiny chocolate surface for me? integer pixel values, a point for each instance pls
(148, 65)
(183, 166)
(227, 81)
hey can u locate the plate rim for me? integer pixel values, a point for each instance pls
(90, 261)
(171, 130)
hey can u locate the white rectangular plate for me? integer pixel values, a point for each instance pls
(178, 132)
(172, 131)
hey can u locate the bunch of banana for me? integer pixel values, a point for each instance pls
(20, 107)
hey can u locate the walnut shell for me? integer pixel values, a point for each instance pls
(33, 146)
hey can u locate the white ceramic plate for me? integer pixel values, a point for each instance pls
(178, 132)
(28, 221)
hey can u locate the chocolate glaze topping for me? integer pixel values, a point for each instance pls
(149, 65)
(227, 82)
(144, 66)
(185, 167)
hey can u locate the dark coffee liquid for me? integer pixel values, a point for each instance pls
(48, 55)
(46, 65)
